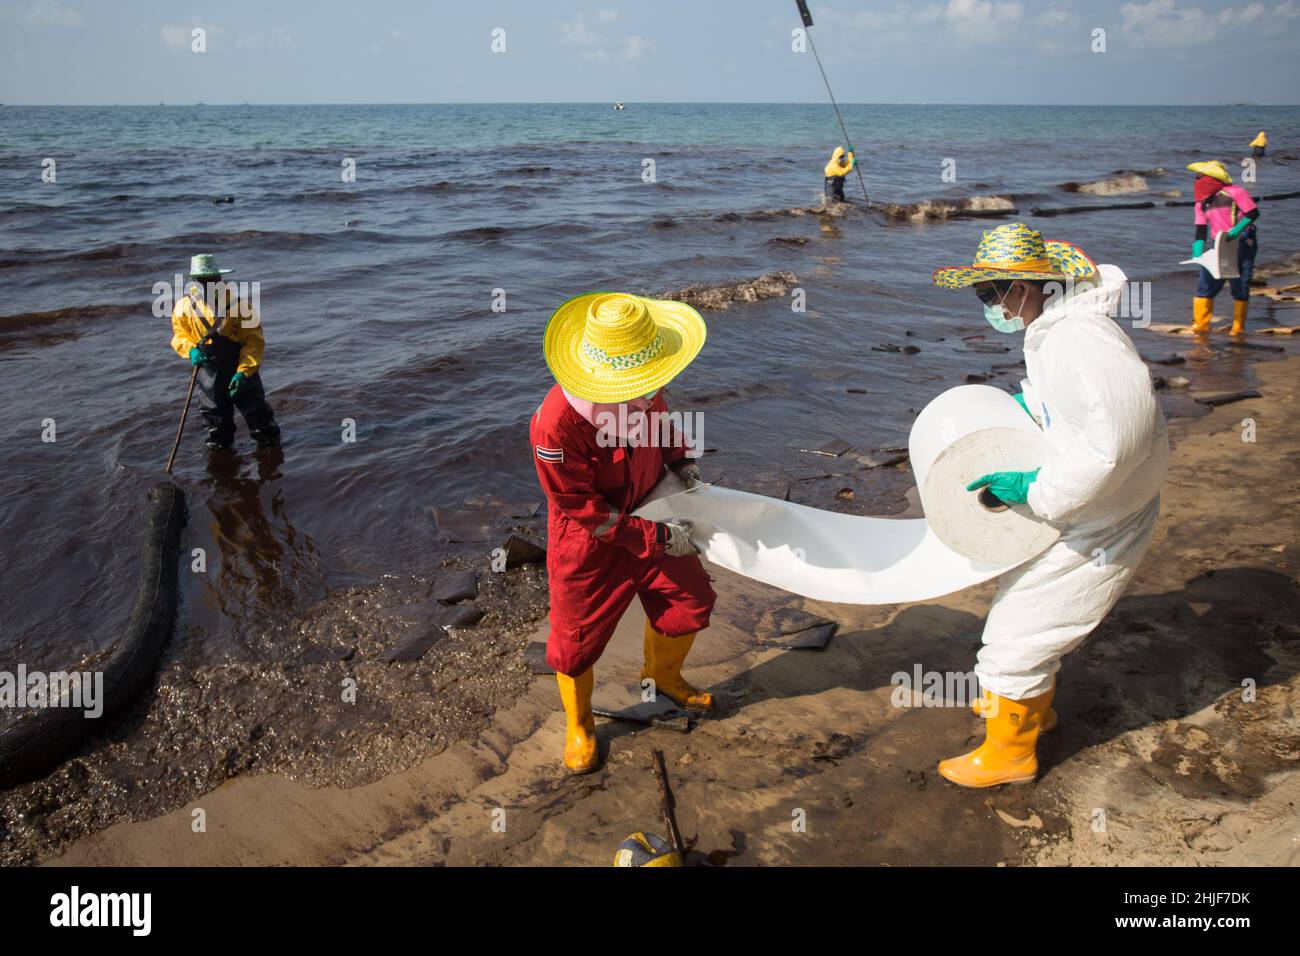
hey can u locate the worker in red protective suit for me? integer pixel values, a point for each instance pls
(601, 442)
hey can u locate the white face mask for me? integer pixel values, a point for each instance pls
(994, 315)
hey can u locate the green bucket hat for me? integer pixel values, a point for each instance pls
(204, 266)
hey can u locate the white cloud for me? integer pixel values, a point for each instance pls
(575, 32)
(52, 13)
(595, 46)
(1165, 24)
(1056, 15)
(981, 16)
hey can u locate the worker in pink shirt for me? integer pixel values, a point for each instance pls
(1222, 207)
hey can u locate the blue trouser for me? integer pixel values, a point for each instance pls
(834, 189)
(1209, 286)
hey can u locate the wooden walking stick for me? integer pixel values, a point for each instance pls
(194, 377)
(668, 804)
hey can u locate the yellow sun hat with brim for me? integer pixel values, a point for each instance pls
(613, 347)
(1212, 168)
(1015, 251)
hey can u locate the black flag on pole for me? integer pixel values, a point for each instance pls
(803, 12)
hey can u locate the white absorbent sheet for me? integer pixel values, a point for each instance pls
(966, 432)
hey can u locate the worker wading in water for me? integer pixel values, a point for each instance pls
(597, 462)
(1091, 394)
(840, 165)
(1222, 207)
(229, 360)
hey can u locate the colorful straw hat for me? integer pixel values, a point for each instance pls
(614, 347)
(205, 267)
(1015, 251)
(1212, 168)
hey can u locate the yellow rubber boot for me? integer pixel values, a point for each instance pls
(580, 752)
(980, 705)
(1009, 753)
(1239, 317)
(663, 665)
(1202, 314)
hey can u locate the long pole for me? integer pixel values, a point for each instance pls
(189, 396)
(668, 804)
(808, 22)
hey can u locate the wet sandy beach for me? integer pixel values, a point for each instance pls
(1158, 759)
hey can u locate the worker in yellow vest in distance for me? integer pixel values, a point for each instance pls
(222, 335)
(1259, 144)
(840, 165)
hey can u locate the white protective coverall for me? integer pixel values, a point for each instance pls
(1093, 397)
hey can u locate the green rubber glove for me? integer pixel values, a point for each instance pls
(1239, 228)
(197, 357)
(1198, 248)
(236, 383)
(1020, 397)
(1009, 486)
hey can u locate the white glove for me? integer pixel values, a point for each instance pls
(688, 471)
(678, 543)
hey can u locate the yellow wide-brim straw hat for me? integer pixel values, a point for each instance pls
(613, 347)
(1212, 168)
(1015, 251)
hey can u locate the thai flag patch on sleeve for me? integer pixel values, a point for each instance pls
(551, 455)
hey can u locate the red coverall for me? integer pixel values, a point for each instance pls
(599, 556)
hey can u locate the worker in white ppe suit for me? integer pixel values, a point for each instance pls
(1091, 394)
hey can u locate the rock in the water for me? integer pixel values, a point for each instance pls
(771, 285)
(883, 457)
(455, 585)
(1226, 398)
(520, 551)
(462, 615)
(465, 527)
(1122, 183)
(832, 449)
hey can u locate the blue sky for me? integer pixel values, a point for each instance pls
(389, 51)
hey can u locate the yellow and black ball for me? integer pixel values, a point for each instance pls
(646, 849)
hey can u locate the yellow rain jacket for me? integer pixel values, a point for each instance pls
(833, 168)
(192, 318)
(1260, 140)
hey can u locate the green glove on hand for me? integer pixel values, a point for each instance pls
(1020, 397)
(1009, 486)
(1239, 228)
(236, 383)
(197, 357)
(1198, 248)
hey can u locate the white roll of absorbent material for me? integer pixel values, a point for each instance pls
(964, 538)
